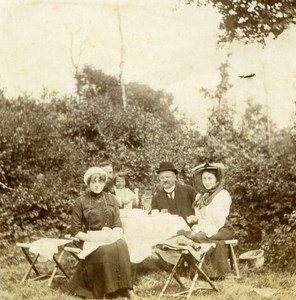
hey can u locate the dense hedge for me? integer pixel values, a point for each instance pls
(46, 147)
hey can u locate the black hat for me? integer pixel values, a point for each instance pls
(166, 166)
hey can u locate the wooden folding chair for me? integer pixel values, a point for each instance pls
(186, 257)
(232, 257)
(33, 265)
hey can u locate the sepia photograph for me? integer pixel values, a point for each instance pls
(148, 149)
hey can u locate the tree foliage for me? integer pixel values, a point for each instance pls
(62, 138)
(45, 148)
(253, 20)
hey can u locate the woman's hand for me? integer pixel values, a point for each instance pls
(192, 219)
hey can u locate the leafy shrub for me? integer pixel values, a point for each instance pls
(43, 208)
(280, 246)
(63, 137)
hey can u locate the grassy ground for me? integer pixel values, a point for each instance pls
(150, 279)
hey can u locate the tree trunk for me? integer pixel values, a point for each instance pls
(121, 65)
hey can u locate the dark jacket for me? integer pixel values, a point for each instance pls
(93, 212)
(108, 268)
(181, 204)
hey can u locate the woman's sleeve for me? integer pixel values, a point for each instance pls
(117, 221)
(76, 222)
(217, 212)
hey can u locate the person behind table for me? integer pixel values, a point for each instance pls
(175, 197)
(107, 270)
(107, 166)
(210, 224)
(124, 195)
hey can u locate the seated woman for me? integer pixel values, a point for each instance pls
(124, 195)
(209, 224)
(106, 272)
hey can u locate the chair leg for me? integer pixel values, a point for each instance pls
(192, 286)
(164, 264)
(180, 260)
(134, 272)
(30, 261)
(57, 266)
(32, 266)
(234, 261)
(198, 267)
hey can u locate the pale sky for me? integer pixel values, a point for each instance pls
(167, 46)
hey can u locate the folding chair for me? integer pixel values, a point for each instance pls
(232, 257)
(187, 256)
(33, 261)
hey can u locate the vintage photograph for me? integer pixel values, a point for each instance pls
(147, 149)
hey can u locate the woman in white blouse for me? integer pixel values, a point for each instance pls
(210, 224)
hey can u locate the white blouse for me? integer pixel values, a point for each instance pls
(125, 197)
(213, 216)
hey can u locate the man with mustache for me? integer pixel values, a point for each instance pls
(175, 197)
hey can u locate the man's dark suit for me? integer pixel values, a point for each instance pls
(181, 204)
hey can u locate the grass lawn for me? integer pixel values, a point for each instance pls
(150, 279)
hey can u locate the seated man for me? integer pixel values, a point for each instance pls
(175, 197)
(108, 168)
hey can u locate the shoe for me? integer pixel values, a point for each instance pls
(114, 295)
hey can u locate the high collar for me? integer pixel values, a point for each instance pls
(94, 195)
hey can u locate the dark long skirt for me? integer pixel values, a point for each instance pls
(105, 271)
(216, 260)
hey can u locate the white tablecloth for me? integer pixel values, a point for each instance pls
(142, 232)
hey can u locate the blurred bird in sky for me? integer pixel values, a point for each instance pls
(247, 76)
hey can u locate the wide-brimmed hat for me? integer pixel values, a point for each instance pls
(166, 166)
(207, 166)
(93, 170)
(198, 170)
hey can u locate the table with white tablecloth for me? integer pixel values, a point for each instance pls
(143, 231)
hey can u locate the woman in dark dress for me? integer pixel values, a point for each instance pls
(106, 272)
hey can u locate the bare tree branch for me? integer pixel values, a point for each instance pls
(75, 62)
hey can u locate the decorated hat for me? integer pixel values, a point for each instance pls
(217, 168)
(91, 171)
(166, 166)
(206, 167)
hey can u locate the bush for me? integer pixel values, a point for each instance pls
(280, 246)
(46, 207)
